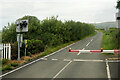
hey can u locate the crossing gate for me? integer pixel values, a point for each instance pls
(6, 51)
(95, 51)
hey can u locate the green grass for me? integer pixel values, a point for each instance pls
(6, 67)
(109, 41)
(14, 64)
(4, 61)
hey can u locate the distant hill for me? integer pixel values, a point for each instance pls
(105, 24)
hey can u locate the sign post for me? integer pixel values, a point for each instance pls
(22, 26)
(25, 41)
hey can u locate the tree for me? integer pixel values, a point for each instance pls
(118, 5)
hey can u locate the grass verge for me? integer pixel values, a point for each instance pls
(110, 42)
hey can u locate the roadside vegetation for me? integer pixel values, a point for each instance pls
(0, 37)
(111, 39)
(44, 37)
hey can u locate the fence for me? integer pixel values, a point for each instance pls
(6, 51)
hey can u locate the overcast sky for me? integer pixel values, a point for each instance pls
(79, 10)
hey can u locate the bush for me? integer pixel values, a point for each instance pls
(14, 64)
(35, 46)
(4, 61)
(29, 54)
(7, 67)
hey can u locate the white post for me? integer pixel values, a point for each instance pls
(9, 57)
(4, 51)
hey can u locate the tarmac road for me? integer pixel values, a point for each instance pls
(63, 64)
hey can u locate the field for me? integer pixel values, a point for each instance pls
(110, 39)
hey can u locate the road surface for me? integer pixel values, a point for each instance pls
(65, 65)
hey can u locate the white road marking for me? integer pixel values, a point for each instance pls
(113, 60)
(83, 49)
(77, 60)
(91, 39)
(44, 58)
(67, 60)
(35, 61)
(54, 59)
(88, 44)
(80, 52)
(108, 70)
(62, 69)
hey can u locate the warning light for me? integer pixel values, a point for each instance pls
(101, 49)
(26, 41)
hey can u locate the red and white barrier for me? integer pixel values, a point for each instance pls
(95, 51)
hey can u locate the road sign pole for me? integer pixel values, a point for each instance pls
(19, 47)
(25, 50)
(22, 26)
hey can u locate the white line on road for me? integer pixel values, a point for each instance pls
(88, 44)
(80, 52)
(108, 70)
(91, 39)
(88, 60)
(54, 59)
(113, 60)
(67, 60)
(83, 49)
(44, 58)
(62, 69)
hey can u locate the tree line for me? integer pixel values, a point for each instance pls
(49, 32)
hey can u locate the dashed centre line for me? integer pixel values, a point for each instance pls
(88, 44)
(91, 39)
